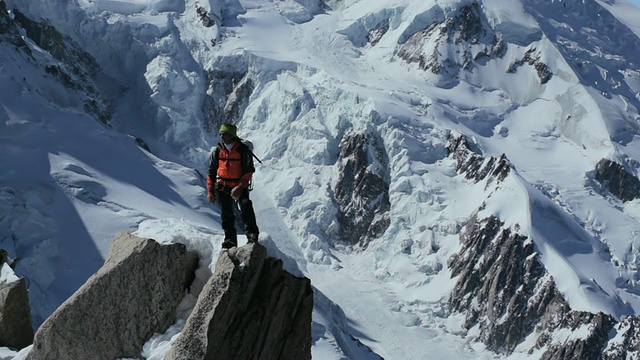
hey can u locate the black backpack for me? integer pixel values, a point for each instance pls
(249, 146)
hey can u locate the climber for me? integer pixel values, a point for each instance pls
(230, 172)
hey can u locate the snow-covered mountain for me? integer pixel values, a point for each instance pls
(458, 178)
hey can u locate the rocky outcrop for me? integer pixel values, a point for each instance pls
(475, 166)
(4, 259)
(301, 11)
(227, 96)
(377, 32)
(496, 268)
(15, 315)
(134, 294)
(203, 14)
(598, 70)
(590, 333)
(625, 343)
(533, 59)
(75, 68)
(467, 29)
(61, 47)
(506, 292)
(617, 180)
(9, 31)
(249, 309)
(361, 190)
(368, 30)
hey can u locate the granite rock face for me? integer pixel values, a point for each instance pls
(532, 58)
(9, 32)
(15, 315)
(474, 166)
(625, 342)
(505, 291)
(134, 294)
(362, 192)
(249, 309)
(617, 180)
(73, 66)
(452, 42)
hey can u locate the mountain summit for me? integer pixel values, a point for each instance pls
(457, 178)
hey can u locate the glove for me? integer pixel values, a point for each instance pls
(236, 192)
(211, 192)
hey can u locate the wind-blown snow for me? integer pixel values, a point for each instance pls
(7, 275)
(69, 184)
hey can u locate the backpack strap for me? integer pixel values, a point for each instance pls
(250, 150)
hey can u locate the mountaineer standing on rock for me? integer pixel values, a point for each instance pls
(230, 172)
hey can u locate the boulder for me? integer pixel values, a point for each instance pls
(15, 315)
(134, 294)
(249, 309)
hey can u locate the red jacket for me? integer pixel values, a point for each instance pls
(230, 167)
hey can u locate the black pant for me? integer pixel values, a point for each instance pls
(228, 217)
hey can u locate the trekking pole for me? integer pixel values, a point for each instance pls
(255, 157)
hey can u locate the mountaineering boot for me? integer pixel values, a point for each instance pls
(252, 238)
(229, 243)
